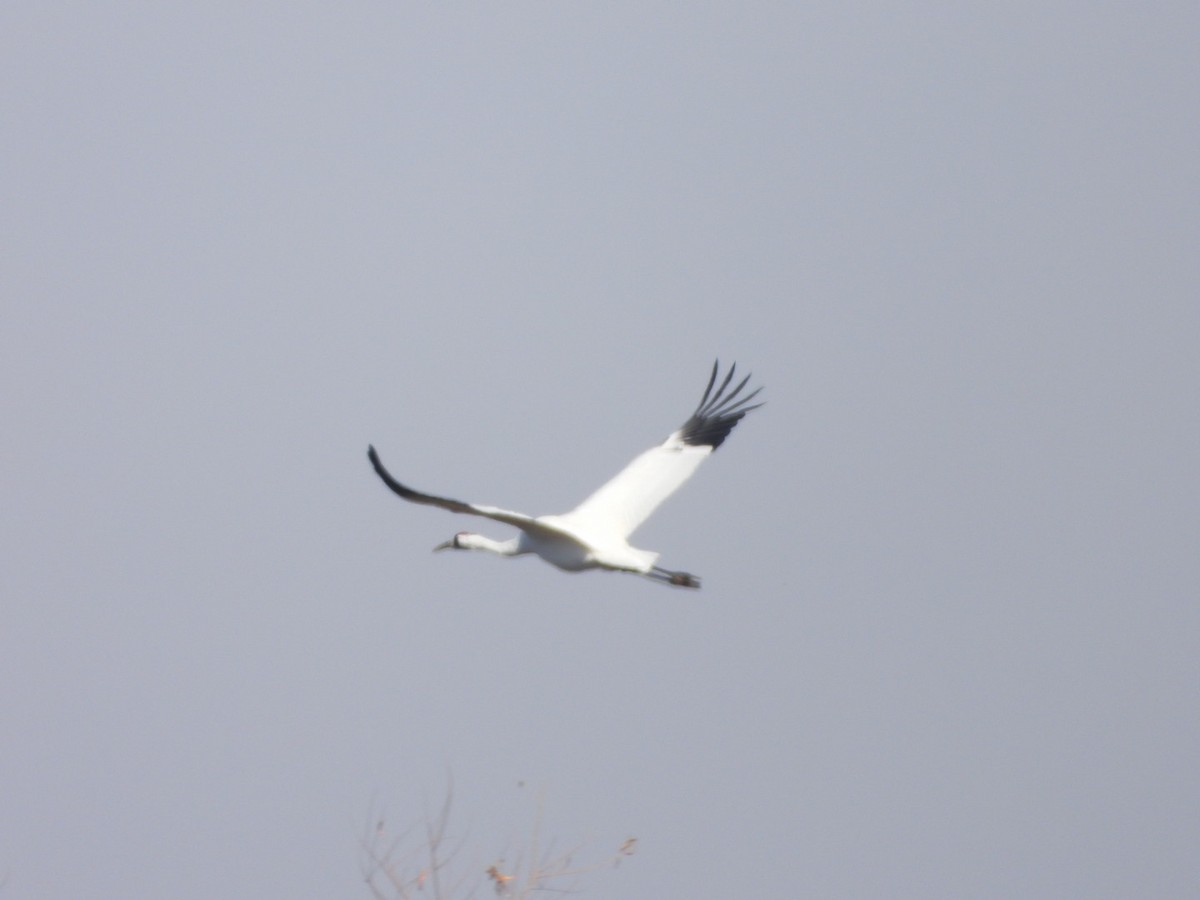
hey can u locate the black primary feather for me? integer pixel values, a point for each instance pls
(414, 496)
(714, 418)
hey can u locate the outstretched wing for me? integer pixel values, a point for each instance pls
(520, 520)
(626, 501)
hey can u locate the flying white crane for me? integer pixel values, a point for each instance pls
(595, 534)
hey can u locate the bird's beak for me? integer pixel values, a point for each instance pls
(445, 545)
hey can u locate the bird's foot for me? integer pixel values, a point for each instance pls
(683, 579)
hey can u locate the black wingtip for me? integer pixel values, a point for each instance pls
(718, 413)
(385, 475)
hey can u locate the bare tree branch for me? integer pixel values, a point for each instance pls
(408, 866)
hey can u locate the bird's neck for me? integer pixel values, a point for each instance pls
(479, 542)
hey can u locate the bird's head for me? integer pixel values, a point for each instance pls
(460, 541)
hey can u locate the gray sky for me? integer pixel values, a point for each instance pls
(948, 640)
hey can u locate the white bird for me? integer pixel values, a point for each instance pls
(595, 535)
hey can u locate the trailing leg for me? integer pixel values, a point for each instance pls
(679, 579)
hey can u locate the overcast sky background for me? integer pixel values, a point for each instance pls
(948, 643)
